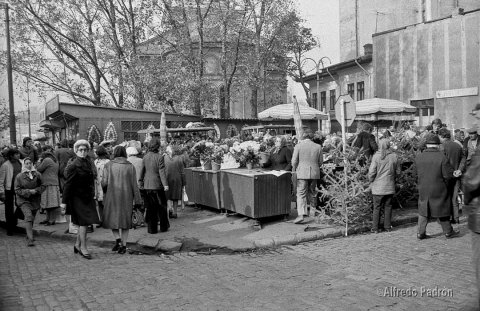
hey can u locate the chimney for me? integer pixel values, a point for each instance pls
(368, 49)
(457, 11)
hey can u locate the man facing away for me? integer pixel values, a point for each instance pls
(306, 162)
(454, 154)
(434, 172)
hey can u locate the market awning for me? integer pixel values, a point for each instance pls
(52, 124)
(285, 112)
(374, 109)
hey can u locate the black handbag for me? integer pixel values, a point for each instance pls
(18, 213)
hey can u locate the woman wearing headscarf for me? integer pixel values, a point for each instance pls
(29, 188)
(79, 194)
(102, 158)
(281, 156)
(382, 173)
(8, 171)
(48, 167)
(120, 182)
(175, 164)
(154, 180)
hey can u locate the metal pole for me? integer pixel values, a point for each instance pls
(28, 109)
(344, 148)
(318, 100)
(11, 106)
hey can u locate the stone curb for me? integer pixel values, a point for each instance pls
(168, 246)
(327, 233)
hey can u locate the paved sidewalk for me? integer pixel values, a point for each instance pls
(205, 230)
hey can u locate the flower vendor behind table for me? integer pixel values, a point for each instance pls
(203, 150)
(217, 157)
(246, 153)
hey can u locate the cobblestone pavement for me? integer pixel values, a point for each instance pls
(362, 272)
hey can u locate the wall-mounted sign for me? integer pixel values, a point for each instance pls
(470, 91)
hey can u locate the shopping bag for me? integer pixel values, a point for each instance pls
(72, 228)
(185, 197)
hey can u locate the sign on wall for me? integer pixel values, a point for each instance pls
(470, 91)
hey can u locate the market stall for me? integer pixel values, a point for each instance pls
(203, 187)
(256, 193)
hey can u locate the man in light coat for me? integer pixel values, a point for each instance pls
(306, 162)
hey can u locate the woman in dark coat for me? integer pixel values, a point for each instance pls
(29, 188)
(175, 164)
(120, 182)
(79, 194)
(280, 157)
(154, 180)
(434, 172)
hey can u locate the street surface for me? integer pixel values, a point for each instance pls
(386, 271)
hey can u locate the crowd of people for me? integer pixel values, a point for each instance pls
(100, 184)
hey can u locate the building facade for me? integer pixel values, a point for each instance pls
(353, 77)
(434, 66)
(272, 88)
(359, 19)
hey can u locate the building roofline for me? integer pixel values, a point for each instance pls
(427, 22)
(126, 109)
(339, 66)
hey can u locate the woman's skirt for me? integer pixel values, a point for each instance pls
(83, 213)
(51, 197)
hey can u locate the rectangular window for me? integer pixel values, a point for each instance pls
(351, 90)
(314, 103)
(323, 100)
(360, 90)
(333, 99)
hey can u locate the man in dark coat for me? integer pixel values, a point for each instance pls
(454, 154)
(471, 190)
(365, 141)
(434, 173)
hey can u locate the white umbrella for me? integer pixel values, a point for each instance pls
(285, 112)
(374, 109)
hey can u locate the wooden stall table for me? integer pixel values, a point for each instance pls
(203, 187)
(255, 193)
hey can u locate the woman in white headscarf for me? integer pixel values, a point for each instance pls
(29, 188)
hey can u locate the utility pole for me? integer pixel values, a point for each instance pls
(11, 106)
(28, 109)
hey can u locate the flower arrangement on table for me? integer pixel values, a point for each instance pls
(203, 150)
(217, 154)
(246, 152)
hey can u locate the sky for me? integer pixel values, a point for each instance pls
(322, 16)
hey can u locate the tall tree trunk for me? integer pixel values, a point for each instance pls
(253, 100)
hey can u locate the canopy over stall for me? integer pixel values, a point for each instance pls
(285, 112)
(377, 109)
